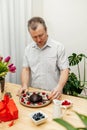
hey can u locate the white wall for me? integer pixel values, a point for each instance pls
(66, 21)
(37, 8)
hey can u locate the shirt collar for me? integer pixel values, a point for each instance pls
(48, 44)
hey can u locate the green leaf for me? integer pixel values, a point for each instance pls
(67, 125)
(83, 118)
(72, 85)
(81, 128)
(74, 59)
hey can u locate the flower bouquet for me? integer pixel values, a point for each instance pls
(5, 67)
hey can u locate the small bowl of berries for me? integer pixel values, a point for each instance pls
(66, 103)
(38, 117)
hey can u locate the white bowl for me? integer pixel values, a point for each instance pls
(38, 117)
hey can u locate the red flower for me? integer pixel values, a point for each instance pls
(7, 59)
(12, 69)
(10, 65)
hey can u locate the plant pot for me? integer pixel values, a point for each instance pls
(2, 84)
(79, 90)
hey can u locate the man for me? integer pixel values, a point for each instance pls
(45, 61)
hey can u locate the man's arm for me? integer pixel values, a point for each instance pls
(25, 77)
(56, 92)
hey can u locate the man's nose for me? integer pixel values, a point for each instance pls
(38, 39)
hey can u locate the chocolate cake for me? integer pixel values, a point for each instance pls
(34, 98)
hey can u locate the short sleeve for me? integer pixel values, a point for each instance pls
(62, 58)
(25, 59)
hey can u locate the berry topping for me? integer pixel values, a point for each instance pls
(22, 100)
(24, 95)
(38, 116)
(66, 102)
(43, 93)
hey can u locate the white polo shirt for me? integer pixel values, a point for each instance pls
(45, 63)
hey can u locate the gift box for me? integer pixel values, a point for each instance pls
(8, 109)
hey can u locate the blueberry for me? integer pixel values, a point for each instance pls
(43, 116)
(38, 116)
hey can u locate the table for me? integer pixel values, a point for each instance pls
(24, 122)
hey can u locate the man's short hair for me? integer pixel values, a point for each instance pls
(33, 23)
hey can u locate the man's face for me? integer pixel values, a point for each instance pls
(39, 35)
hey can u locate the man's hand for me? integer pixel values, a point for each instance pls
(22, 90)
(55, 94)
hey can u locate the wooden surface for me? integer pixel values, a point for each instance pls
(24, 122)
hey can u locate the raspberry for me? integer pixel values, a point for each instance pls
(43, 93)
(39, 103)
(66, 102)
(22, 100)
(28, 103)
(24, 95)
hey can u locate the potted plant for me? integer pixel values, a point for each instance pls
(75, 85)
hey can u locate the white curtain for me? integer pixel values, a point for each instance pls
(14, 36)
